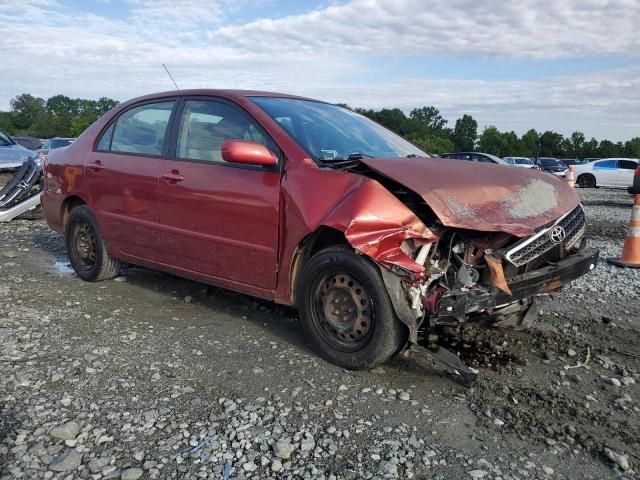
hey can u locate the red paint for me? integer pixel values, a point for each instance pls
(240, 227)
(478, 196)
(247, 153)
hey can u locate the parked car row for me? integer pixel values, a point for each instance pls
(597, 172)
(15, 151)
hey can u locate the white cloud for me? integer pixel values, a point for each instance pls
(47, 48)
(540, 29)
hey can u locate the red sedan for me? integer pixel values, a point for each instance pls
(309, 204)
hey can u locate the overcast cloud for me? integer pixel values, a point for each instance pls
(549, 64)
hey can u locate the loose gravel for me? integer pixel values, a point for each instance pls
(152, 376)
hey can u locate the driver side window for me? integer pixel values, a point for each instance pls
(206, 124)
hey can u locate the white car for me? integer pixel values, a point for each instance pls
(522, 162)
(607, 172)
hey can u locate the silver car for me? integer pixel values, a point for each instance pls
(12, 155)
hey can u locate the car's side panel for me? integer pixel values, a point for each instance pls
(124, 198)
(222, 220)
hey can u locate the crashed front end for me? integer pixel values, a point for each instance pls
(470, 274)
(473, 250)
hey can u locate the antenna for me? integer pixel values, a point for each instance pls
(169, 73)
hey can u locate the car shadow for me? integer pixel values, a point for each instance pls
(279, 319)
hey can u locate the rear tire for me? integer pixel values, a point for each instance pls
(87, 251)
(586, 180)
(346, 312)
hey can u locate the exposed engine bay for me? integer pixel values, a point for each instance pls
(452, 275)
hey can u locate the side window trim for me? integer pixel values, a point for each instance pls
(114, 120)
(175, 130)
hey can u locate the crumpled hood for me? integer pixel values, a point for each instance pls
(13, 155)
(485, 197)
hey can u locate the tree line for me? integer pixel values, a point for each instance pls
(58, 116)
(63, 116)
(427, 128)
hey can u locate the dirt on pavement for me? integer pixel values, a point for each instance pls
(153, 376)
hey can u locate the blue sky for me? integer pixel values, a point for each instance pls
(563, 65)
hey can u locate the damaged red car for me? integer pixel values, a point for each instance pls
(309, 204)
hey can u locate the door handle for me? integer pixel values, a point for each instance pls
(97, 165)
(172, 177)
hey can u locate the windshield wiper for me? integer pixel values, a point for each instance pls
(352, 157)
(358, 156)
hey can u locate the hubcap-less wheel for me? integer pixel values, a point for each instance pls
(84, 245)
(343, 312)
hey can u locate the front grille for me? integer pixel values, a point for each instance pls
(530, 248)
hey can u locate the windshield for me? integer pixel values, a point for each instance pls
(551, 162)
(523, 161)
(5, 140)
(328, 132)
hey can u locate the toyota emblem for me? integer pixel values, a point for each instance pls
(557, 235)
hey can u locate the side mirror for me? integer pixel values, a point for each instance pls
(247, 153)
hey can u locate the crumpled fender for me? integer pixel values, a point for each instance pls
(376, 223)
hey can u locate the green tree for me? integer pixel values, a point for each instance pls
(6, 123)
(429, 118)
(465, 133)
(62, 106)
(551, 144)
(26, 109)
(632, 148)
(435, 144)
(491, 141)
(577, 145)
(607, 149)
(529, 143)
(590, 149)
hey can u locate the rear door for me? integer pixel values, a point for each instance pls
(122, 174)
(626, 170)
(219, 219)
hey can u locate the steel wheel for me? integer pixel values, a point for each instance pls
(343, 311)
(84, 245)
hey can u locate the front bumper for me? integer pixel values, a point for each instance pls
(526, 285)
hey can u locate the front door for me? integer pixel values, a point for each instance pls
(122, 176)
(606, 172)
(219, 219)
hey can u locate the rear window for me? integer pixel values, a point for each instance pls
(140, 130)
(628, 164)
(59, 143)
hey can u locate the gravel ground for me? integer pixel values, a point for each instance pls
(152, 376)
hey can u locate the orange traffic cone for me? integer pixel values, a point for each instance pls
(571, 177)
(631, 250)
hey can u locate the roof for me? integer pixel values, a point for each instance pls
(228, 93)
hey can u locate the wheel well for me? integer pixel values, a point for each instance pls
(68, 205)
(322, 238)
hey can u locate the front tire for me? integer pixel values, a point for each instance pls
(346, 312)
(586, 180)
(87, 251)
